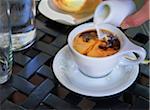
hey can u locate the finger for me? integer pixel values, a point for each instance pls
(138, 18)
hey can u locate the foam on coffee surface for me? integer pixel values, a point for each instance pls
(87, 43)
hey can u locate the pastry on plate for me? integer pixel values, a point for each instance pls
(77, 6)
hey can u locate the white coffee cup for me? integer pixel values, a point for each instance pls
(101, 66)
(113, 11)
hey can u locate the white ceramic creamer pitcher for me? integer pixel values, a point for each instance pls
(113, 11)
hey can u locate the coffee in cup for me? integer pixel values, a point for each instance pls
(88, 43)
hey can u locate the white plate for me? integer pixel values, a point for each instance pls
(47, 8)
(66, 71)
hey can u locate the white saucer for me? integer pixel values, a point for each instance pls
(47, 8)
(66, 71)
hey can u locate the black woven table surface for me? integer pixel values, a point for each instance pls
(34, 86)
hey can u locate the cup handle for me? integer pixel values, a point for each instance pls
(130, 48)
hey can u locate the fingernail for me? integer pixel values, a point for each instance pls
(124, 25)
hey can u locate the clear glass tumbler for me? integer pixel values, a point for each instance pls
(22, 14)
(5, 43)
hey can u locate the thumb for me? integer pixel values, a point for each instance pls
(137, 18)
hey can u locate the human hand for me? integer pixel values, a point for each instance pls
(137, 18)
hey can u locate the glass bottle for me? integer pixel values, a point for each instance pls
(5, 43)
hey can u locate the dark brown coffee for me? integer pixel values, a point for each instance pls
(87, 43)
